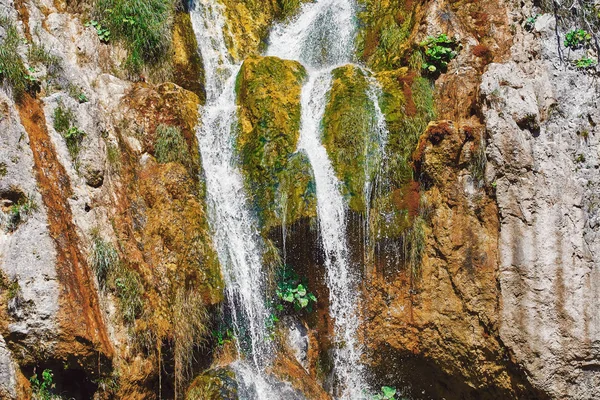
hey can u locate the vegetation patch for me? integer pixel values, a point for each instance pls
(143, 26)
(349, 132)
(171, 146)
(43, 389)
(439, 51)
(577, 38)
(65, 124)
(18, 213)
(269, 98)
(12, 70)
(292, 292)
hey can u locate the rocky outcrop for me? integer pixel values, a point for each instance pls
(541, 115)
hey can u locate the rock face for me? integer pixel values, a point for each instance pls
(542, 117)
(479, 242)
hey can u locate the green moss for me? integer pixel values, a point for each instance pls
(348, 128)
(188, 71)
(269, 98)
(213, 385)
(384, 30)
(171, 145)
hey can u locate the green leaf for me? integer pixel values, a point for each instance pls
(388, 392)
(301, 290)
(303, 302)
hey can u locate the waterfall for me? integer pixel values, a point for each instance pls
(237, 240)
(321, 37)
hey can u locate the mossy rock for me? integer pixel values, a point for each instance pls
(217, 384)
(386, 28)
(250, 21)
(269, 98)
(188, 71)
(349, 132)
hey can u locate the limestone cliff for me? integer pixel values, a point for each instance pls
(473, 225)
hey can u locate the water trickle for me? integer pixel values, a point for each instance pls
(321, 38)
(235, 234)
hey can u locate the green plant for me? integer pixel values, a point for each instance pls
(104, 258)
(144, 26)
(439, 51)
(128, 289)
(42, 390)
(14, 289)
(585, 62)
(12, 69)
(292, 290)
(38, 54)
(64, 123)
(580, 158)
(530, 22)
(3, 169)
(103, 32)
(387, 393)
(171, 145)
(577, 38)
(223, 335)
(77, 93)
(18, 212)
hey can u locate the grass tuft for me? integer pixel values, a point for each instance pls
(171, 145)
(144, 26)
(12, 69)
(64, 123)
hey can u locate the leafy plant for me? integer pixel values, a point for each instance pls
(387, 393)
(42, 390)
(530, 22)
(144, 27)
(18, 212)
(585, 62)
(64, 123)
(103, 32)
(291, 290)
(577, 38)
(439, 51)
(38, 54)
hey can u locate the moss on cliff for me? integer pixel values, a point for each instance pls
(348, 128)
(249, 22)
(188, 71)
(269, 98)
(386, 26)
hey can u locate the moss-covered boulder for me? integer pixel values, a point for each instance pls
(188, 71)
(384, 39)
(278, 180)
(249, 23)
(349, 132)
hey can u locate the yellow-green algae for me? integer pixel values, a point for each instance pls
(279, 181)
(348, 126)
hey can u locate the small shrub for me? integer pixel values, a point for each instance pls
(439, 51)
(3, 169)
(291, 290)
(577, 38)
(77, 93)
(103, 32)
(64, 123)
(42, 390)
(580, 158)
(585, 63)
(171, 145)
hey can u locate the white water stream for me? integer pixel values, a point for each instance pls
(321, 37)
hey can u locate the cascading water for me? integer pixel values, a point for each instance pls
(321, 38)
(238, 243)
